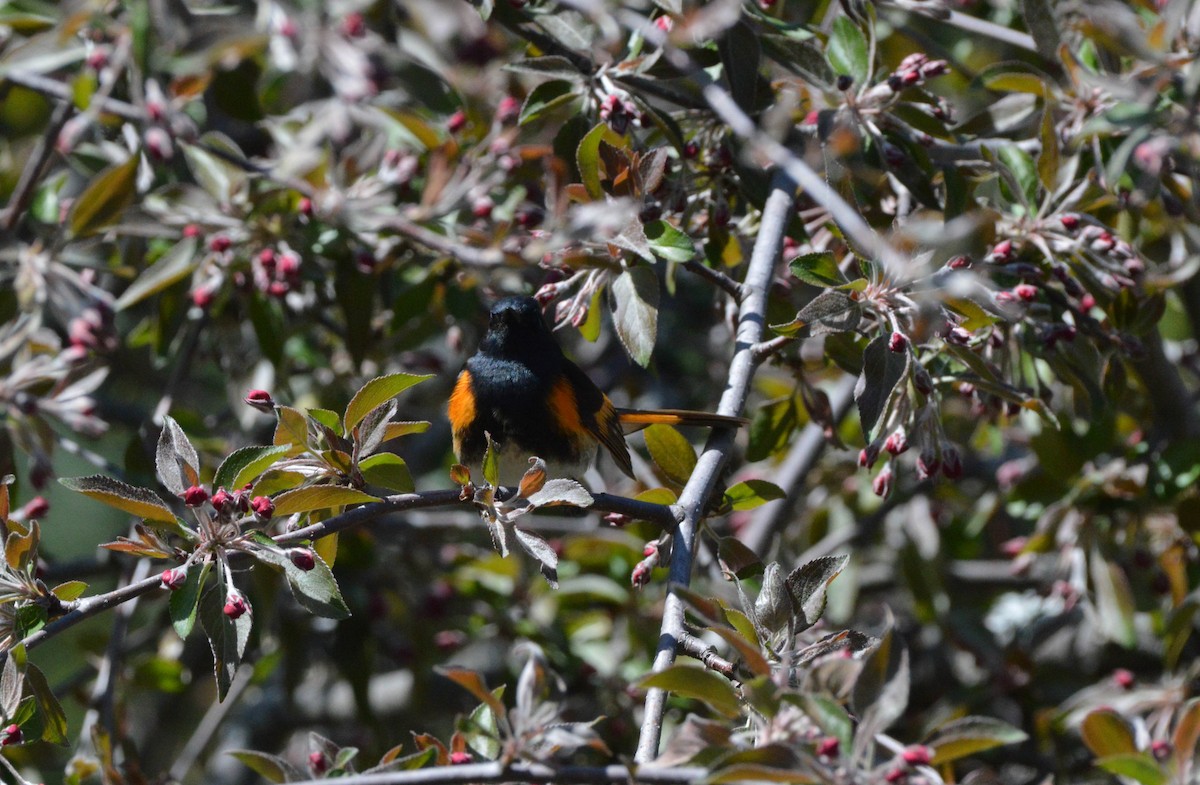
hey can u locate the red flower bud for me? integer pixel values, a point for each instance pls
(916, 755)
(195, 496)
(11, 735)
(219, 243)
(222, 500)
(1160, 749)
(482, 207)
(173, 579)
(261, 400)
(1070, 221)
(263, 507)
(1087, 302)
(1123, 678)
(456, 122)
(952, 467)
(896, 442)
(509, 110)
(235, 606)
(691, 150)
(353, 25)
(895, 775)
(828, 747)
(302, 558)
(1026, 291)
(928, 464)
(305, 207)
(318, 762)
(191, 230)
(868, 455)
(459, 758)
(898, 342)
(1002, 251)
(959, 262)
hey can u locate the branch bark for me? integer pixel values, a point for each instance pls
(528, 772)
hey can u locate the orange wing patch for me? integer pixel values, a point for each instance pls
(462, 409)
(565, 410)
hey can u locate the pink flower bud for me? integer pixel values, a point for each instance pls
(305, 207)
(898, 342)
(1070, 221)
(235, 606)
(959, 262)
(318, 762)
(11, 735)
(896, 442)
(219, 243)
(928, 464)
(828, 747)
(916, 755)
(456, 122)
(1026, 291)
(173, 579)
(509, 110)
(664, 23)
(222, 500)
(482, 207)
(868, 455)
(460, 757)
(195, 496)
(1123, 678)
(191, 230)
(883, 482)
(1002, 251)
(303, 558)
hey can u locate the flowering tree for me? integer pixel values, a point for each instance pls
(941, 256)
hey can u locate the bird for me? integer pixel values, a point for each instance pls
(521, 389)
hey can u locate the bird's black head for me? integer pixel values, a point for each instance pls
(516, 329)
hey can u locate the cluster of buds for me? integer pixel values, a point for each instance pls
(508, 111)
(620, 112)
(641, 571)
(92, 329)
(914, 70)
(276, 272)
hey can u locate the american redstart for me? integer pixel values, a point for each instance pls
(519, 388)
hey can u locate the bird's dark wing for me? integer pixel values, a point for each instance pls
(598, 416)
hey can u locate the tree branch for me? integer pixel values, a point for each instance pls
(695, 495)
(87, 607)
(23, 193)
(528, 772)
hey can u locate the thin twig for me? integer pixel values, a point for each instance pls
(977, 26)
(467, 254)
(695, 495)
(497, 771)
(210, 723)
(715, 277)
(87, 607)
(31, 174)
(694, 647)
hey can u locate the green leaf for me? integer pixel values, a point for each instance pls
(587, 158)
(53, 720)
(669, 243)
(472, 682)
(749, 651)
(831, 311)
(1039, 18)
(969, 735)
(882, 371)
(185, 601)
(559, 492)
(69, 591)
(377, 391)
(491, 462)
(319, 497)
(831, 717)
(220, 178)
(1050, 155)
(752, 493)
(227, 637)
(737, 559)
(105, 198)
(387, 470)
(635, 311)
(1023, 169)
(177, 263)
(244, 465)
(128, 498)
(847, 50)
(175, 461)
(272, 767)
(1140, 766)
(818, 269)
(741, 56)
(698, 683)
(330, 419)
(316, 590)
(1106, 732)
(1187, 731)
(672, 452)
(753, 772)
(807, 586)
(1114, 601)
(545, 98)
(1014, 82)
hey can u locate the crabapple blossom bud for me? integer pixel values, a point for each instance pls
(318, 762)
(353, 25)
(828, 747)
(898, 342)
(883, 482)
(922, 380)
(508, 111)
(191, 230)
(97, 59)
(1160, 749)
(158, 143)
(895, 776)
(482, 207)
(1026, 291)
(305, 207)
(1070, 221)
(303, 558)
(195, 496)
(664, 23)
(952, 467)
(222, 500)
(261, 400)
(235, 606)
(460, 757)
(11, 735)
(457, 122)
(691, 150)
(897, 442)
(263, 507)
(869, 454)
(1002, 251)
(1087, 302)
(1123, 678)
(219, 243)
(173, 579)
(916, 755)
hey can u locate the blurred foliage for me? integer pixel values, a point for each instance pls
(319, 200)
